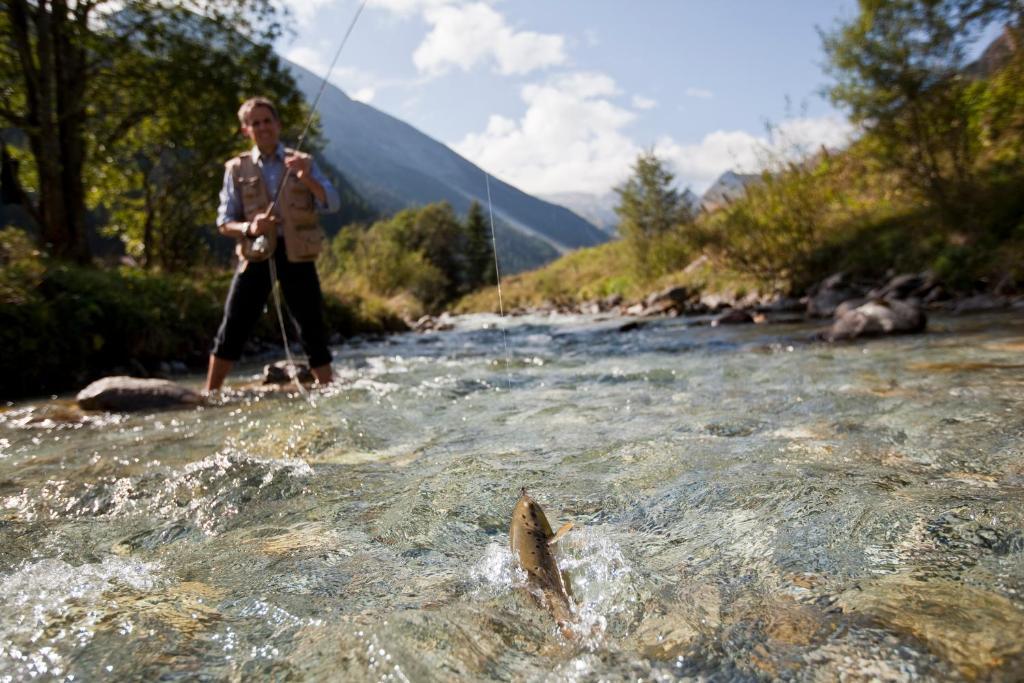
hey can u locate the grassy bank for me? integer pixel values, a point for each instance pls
(799, 224)
(597, 273)
(62, 326)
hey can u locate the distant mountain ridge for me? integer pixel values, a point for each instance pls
(598, 209)
(394, 166)
(729, 187)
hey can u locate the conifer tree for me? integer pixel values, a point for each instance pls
(479, 257)
(649, 207)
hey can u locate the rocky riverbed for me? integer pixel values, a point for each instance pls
(749, 504)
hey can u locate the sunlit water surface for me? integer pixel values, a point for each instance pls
(748, 505)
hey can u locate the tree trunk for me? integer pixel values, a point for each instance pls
(69, 63)
(55, 77)
(147, 228)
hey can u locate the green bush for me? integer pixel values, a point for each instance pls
(62, 326)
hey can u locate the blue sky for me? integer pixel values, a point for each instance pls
(560, 95)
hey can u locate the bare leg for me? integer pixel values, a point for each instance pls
(323, 374)
(218, 370)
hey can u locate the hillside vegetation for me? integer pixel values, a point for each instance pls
(932, 183)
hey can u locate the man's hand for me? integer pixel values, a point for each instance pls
(262, 223)
(299, 164)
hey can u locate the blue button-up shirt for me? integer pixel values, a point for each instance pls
(271, 167)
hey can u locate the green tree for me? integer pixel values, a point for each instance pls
(70, 76)
(649, 209)
(899, 67)
(160, 181)
(479, 267)
(434, 232)
(420, 251)
(780, 231)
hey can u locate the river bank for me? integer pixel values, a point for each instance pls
(829, 300)
(63, 326)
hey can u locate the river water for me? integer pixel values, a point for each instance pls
(748, 504)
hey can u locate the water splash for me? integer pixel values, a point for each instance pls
(206, 493)
(497, 572)
(601, 580)
(52, 608)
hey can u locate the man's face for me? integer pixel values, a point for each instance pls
(263, 128)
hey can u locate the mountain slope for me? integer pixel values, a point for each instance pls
(729, 187)
(598, 209)
(394, 166)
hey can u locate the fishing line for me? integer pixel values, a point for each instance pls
(275, 284)
(497, 277)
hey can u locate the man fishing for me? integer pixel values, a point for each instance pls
(269, 204)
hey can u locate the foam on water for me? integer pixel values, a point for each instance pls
(205, 493)
(600, 580)
(52, 608)
(497, 572)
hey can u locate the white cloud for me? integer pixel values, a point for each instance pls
(641, 102)
(803, 135)
(699, 93)
(307, 58)
(359, 85)
(698, 165)
(464, 35)
(305, 11)
(571, 138)
(405, 8)
(568, 140)
(364, 95)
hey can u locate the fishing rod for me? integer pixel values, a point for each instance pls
(497, 277)
(274, 282)
(261, 243)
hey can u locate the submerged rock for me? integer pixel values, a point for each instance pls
(877, 318)
(982, 640)
(281, 373)
(733, 316)
(632, 325)
(124, 394)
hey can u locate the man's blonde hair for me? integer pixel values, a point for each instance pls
(251, 104)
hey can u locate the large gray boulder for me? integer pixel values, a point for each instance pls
(878, 317)
(126, 394)
(827, 295)
(923, 286)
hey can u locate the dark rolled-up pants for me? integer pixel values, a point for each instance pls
(248, 295)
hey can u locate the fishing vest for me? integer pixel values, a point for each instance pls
(303, 237)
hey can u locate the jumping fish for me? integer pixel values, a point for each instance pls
(531, 539)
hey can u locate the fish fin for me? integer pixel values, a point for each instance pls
(560, 534)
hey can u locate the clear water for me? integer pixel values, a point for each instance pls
(748, 504)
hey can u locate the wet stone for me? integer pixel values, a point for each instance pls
(126, 394)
